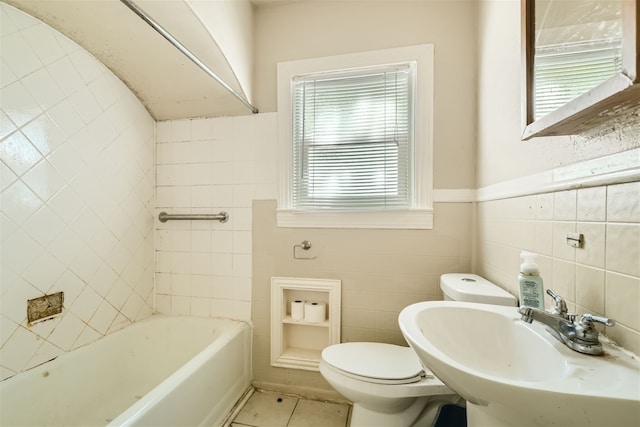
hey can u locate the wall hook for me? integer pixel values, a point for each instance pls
(304, 245)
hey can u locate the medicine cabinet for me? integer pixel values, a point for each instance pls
(580, 64)
(296, 342)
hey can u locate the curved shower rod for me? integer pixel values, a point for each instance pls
(182, 48)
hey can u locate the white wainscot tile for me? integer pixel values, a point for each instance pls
(623, 202)
(623, 248)
(592, 204)
(592, 252)
(565, 205)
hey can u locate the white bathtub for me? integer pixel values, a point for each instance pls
(162, 371)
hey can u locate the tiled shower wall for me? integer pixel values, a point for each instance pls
(76, 194)
(602, 277)
(203, 268)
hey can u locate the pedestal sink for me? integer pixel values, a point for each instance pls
(516, 374)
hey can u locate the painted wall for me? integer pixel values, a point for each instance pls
(603, 276)
(297, 30)
(76, 181)
(501, 154)
(382, 271)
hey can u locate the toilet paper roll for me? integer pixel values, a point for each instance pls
(297, 310)
(314, 312)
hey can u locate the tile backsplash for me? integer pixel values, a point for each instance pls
(602, 277)
(76, 181)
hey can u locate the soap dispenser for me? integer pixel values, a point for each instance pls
(531, 288)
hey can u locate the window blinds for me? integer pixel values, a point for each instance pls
(562, 74)
(353, 139)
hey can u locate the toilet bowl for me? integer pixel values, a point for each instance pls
(387, 383)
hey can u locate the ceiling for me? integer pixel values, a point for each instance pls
(165, 80)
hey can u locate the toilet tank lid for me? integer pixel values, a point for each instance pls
(473, 288)
(374, 360)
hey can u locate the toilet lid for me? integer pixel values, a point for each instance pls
(375, 361)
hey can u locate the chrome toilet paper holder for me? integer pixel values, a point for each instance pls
(304, 245)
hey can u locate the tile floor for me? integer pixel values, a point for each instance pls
(271, 409)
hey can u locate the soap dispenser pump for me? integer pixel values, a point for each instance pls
(531, 288)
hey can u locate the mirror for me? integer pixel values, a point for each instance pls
(580, 63)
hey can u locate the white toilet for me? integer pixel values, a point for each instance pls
(387, 383)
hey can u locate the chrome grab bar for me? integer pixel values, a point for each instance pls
(222, 217)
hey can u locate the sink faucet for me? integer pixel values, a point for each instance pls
(581, 337)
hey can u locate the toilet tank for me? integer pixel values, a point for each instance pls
(473, 288)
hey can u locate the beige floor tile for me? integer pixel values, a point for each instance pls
(266, 409)
(312, 413)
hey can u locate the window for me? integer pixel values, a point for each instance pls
(355, 138)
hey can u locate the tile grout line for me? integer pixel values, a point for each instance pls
(292, 412)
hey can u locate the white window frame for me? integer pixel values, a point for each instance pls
(420, 214)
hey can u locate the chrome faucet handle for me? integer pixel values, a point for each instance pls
(560, 308)
(587, 320)
(586, 335)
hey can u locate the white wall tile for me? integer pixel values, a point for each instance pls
(592, 252)
(181, 130)
(565, 205)
(623, 248)
(600, 277)
(17, 152)
(44, 135)
(21, 59)
(66, 118)
(65, 75)
(201, 129)
(78, 221)
(19, 202)
(44, 180)
(18, 104)
(198, 173)
(592, 204)
(620, 290)
(86, 65)
(43, 42)
(623, 202)
(43, 88)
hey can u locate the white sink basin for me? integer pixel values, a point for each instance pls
(516, 374)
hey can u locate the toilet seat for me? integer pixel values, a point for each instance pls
(375, 362)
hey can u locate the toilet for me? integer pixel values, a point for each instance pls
(387, 383)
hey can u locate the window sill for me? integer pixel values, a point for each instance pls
(412, 219)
